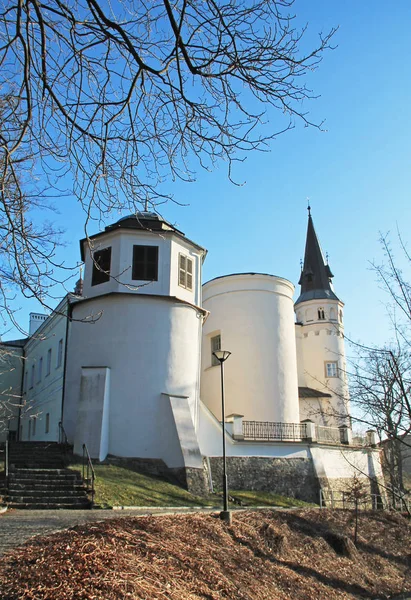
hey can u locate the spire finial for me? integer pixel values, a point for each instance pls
(326, 258)
(301, 264)
(308, 206)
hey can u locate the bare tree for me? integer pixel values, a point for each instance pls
(381, 393)
(27, 244)
(119, 96)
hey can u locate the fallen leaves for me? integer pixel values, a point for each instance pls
(263, 555)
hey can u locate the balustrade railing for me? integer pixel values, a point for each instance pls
(328, 435)
(266, 431)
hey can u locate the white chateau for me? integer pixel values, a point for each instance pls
(125, 365)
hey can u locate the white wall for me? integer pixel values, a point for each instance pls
(341, 463)
(121, 242)
(151, 346)
(11, 371)
(318, 342)
(210, 442)
(45, 395)
(254, 315)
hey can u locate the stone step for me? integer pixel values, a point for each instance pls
(79, 493)
(35, 485)
(26, 475)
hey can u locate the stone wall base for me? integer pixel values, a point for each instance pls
(292, 477)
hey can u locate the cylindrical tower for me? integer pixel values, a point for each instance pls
(251, 315)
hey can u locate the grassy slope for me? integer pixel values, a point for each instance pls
(117, 486)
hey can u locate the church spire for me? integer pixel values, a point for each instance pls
(316, 274)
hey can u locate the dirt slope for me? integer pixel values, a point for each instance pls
(263, 555)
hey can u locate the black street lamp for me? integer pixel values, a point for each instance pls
(221, 356)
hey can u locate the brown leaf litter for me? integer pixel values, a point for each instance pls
(263, 555)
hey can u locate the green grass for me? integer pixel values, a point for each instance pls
(118, 486)
(253, 498)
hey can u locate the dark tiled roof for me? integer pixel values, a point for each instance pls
(307, 392)
(316, 275)
(15, 343)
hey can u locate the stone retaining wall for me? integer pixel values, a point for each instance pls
(293, 477)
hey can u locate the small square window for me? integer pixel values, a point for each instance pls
(215, 345)
(185, 272)
(331, 369)
(145, 263)
(101, 266)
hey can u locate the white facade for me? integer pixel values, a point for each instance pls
(126, 364)
(321, 361)
(121, 241)
(253, 315)
(11, 373)
(43, 383)
(151, 347)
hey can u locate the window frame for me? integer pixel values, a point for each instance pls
(59, 354)
(145, 263)
(183, 272)
(32, 375)
(48, 362)
(47, 423)
(334, 363)
(40, 370)
(214, 360)
(100, 275)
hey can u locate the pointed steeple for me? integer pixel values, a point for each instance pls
(315, 279)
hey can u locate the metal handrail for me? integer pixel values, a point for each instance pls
(88, 470)
(62, 434)
(6, 461)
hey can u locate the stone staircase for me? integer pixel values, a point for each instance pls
(38, 477)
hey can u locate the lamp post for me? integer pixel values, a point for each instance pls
(221, 356)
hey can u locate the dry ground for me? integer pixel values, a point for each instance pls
(262, 555)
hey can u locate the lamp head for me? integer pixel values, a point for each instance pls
(222, 355)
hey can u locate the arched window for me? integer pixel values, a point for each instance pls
(341, 316)
(321, 314)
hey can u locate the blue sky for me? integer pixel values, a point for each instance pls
(357, 173)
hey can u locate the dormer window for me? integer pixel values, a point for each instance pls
(185, 272)
(145, 263)
(321, 314)
(101, 266)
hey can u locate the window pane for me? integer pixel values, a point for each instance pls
(145, 263)
(101, 266)
(215, 345)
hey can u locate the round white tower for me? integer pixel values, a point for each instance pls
(321, 359)
(132, 381)
(251, 315)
